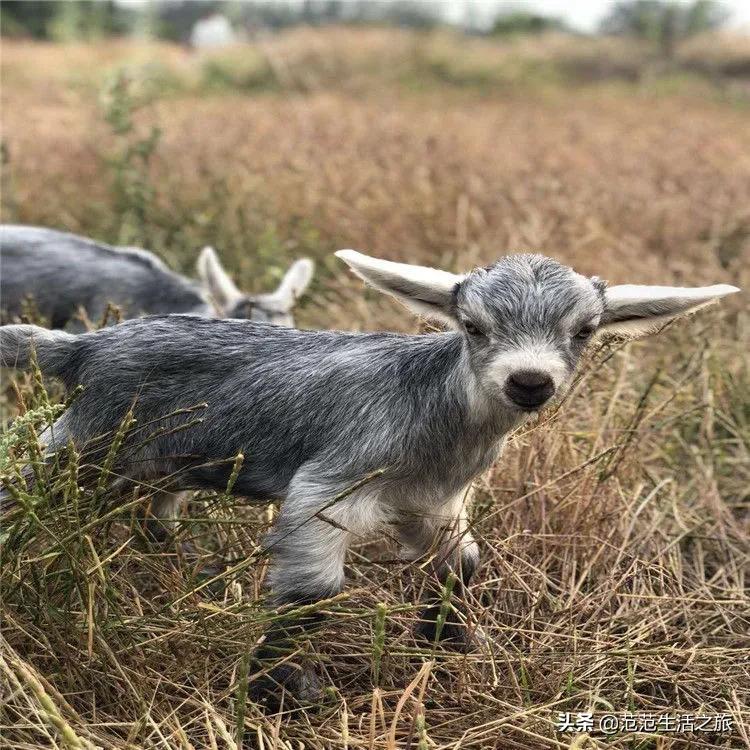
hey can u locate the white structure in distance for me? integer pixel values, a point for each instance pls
(211, 32)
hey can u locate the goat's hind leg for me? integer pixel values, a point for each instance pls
(53, 441)
(160, 524)
(160, 528)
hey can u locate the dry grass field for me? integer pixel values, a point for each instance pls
(615, 531)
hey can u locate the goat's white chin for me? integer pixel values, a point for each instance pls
(525, 411)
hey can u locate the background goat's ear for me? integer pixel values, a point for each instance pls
(633, 310)
(427, 291)
(295, 281)
(221, 288)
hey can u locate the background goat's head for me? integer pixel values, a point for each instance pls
(275, 307)
(526, 319)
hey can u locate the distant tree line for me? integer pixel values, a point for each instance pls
(663, 22)
(47, 19)
(524, 22)
(173, 19)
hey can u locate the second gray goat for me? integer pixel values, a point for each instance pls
(64, 274)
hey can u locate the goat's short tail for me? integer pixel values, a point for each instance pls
(52, 348)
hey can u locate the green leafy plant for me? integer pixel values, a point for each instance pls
(133, 190)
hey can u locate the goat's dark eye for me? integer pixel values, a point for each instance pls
(472, 330)
(584, 333)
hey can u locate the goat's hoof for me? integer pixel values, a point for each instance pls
(452, 635)
(189, 561)
(285, 684)
(209, 575)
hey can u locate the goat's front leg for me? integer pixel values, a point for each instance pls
(443, 544)
(307, 565)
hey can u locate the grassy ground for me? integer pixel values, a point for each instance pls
(614, 531)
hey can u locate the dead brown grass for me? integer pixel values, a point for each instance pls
(614, 533)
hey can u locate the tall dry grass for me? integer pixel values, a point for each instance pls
(614, 532)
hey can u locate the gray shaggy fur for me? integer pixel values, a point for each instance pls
(316, 412)
(63, 273)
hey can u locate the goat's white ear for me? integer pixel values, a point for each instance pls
(427, 291)
(294, 283)
(633, 310)
(221, 288)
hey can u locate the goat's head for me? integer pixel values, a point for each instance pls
(275, 307)
(526, 319)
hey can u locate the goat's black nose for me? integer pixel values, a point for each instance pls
(529, 389)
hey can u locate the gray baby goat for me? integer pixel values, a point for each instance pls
(64, 273)
(315, 412)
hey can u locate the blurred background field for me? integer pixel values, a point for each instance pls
(614, 532)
